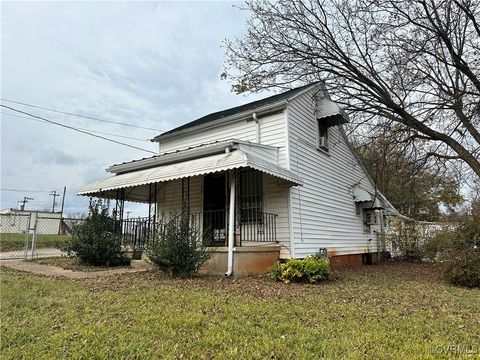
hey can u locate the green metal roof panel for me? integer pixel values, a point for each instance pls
(239, 109)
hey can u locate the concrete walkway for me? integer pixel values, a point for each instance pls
(47, 270)
(39, 253)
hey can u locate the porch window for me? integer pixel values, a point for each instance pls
(251, 196)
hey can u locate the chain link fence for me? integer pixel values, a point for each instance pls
(33, 235)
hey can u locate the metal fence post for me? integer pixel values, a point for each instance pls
(34, 237)
(27, 234)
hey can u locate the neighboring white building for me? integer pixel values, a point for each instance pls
(13, 221)
(281, 162)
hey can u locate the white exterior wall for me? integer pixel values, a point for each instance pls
(170, 196)
(16, 222)
(323, 210)
(273, 129)
(276, 201)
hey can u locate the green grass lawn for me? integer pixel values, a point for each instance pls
(9, 242)
(390, 311)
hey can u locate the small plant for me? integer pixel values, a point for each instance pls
(312, 269)
(177, 246)
(94, 241)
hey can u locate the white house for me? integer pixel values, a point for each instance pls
(272, 178)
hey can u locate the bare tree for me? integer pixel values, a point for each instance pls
(409, 66)
(427, 193)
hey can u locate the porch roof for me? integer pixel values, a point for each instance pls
(135, 181)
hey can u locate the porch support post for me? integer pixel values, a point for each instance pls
(231, 223)
(152, 210)
(119, 207)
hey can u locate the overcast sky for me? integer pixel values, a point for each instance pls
(155, 65)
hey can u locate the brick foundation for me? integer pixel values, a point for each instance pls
(354, 259)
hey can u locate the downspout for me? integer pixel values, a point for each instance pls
(231, 224)
(257, 124)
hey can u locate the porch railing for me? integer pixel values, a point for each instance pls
(212, 226)
(258, 226)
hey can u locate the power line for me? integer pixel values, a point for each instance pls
(79, 115)
(93, 131)
(49, 202)
(23, 190)
(75, 129)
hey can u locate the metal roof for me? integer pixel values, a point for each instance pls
(211, 164)
(188, 153)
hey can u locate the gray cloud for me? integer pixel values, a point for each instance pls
(155, 64)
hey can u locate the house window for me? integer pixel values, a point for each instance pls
(370, 218)
(322, 136)
(251, 196)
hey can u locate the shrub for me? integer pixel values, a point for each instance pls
(94, 241)
(457, 249)
(312, 269)
(176, 246)
(463, 267)
(461, 252)
(406, 241)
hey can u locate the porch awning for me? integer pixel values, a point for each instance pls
(135, 180)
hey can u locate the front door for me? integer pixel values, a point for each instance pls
(214, 205)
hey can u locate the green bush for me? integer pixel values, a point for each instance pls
(94, 241)
(177, 246)
(463, 267)
(312, 269)
(458, 250)
(462, 255)
(406, 240)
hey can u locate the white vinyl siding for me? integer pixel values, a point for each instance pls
(272, 132)
(276, 201)
(323, 210)
(171, 196)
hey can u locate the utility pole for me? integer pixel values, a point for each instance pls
(24, 201)
(54, 194)
(63, 198)
(61, 212)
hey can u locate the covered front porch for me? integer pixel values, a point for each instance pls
(235, 200)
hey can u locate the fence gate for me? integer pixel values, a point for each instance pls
(30, 235)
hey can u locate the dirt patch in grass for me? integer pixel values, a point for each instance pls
(70, 263)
